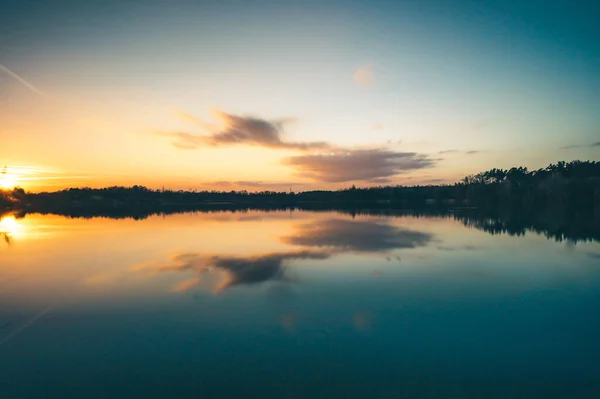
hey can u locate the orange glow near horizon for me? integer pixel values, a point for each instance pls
(8, 182)
(39, 179)
(139, 250)
(11, 227)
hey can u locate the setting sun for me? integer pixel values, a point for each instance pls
(7, 182)
(318, 198)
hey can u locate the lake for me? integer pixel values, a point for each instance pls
(297, 304)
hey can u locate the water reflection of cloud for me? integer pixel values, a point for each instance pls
(330, 237)
(358, 236)
(187, 284)
(235, 270)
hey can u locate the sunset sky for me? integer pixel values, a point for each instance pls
(273, 95)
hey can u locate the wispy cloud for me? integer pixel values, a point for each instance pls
(468, 152)
(26, 173)
(322, 161)
(434, 181)
(252, 185)
(21, 80)
(448, 152)
(265, 185)
(381, 180)
(233, 130)
(357, 165)
(592, 145)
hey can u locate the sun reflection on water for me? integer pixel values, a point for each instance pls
(10, 227)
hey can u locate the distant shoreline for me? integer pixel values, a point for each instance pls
(573, 187)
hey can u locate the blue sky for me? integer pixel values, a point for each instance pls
(469, 85)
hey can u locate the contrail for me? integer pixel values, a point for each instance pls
(25, 326)
(20, 79)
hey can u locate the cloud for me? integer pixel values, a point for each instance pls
(252, 185)
(357, 236)
(235, 130)
(354, 165)
(218, 183)
(248, 183)
(592, 145)
(364, 75)
(192, 119)
(378, 126)
(381, 180)
(470, 152)
(434, 181)
(375, 165)
(237, 270)
(21, 80)
(261, 184)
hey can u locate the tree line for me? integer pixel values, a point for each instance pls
(574, 185)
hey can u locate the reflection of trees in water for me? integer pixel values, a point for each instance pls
(142, 213)
(555, 223)
(4, 236)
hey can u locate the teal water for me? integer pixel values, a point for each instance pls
(295, 305)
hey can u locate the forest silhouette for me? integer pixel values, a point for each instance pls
(566, 185)
(561, 201)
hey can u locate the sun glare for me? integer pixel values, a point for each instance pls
(11, 226)
(7, 182)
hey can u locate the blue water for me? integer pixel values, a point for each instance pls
(312, 305)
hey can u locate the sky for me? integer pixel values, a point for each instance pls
(270, 95)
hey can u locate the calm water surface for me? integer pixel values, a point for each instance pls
(294, 305)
